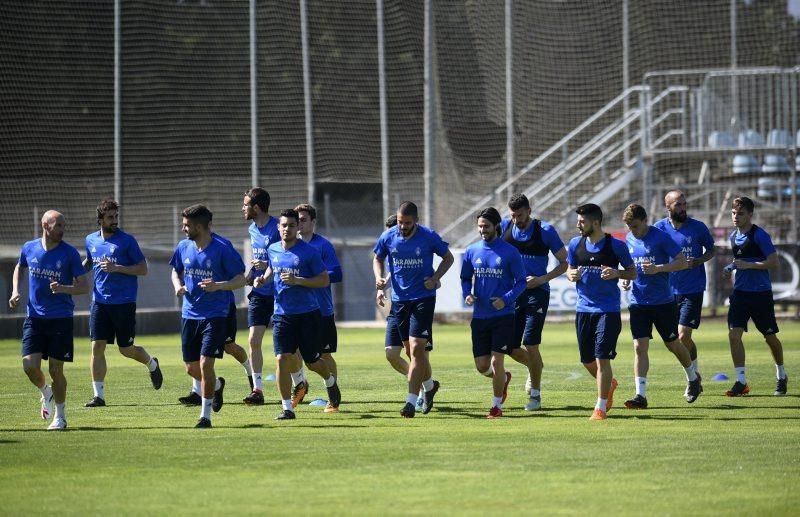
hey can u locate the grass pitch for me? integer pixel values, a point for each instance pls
(140, 455)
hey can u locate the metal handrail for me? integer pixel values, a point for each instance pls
(542, 157)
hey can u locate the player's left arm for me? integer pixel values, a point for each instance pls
(677, 263)
(444, 265)
(139, 269)
(80, 285)
(560, 269)
(314, 282)
(769, 263)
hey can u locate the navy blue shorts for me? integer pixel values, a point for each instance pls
(328, 339)
(203, 338)
(230, 326)
(597, 335)
(293, 331)
(49, 337)
(690, 307)
(493, 335)
(415, 317)
(259, 309)
(393, 337)
(109, 321)
(664, 316)
(758, 306)
(530, 309)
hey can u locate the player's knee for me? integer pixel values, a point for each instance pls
(98, 348)
(127, 351)
(56, 369)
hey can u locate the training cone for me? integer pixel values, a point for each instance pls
(318, 402)
(719, 377)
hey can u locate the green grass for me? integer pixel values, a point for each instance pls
(139, 455)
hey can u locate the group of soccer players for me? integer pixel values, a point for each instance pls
(504, 276)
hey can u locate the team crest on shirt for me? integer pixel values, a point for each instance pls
(498, 261)
(688, 240)
(296, 260)
(419, 251)
(112, 248)
(208, 264)
(591, 259)
(58, 265)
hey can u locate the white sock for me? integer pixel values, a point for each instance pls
(691, 374)
(99, 389)
(781, 371)
(287, 404)
(641, 386)
(330, 381)
(535, 393)
(217, 384)
(151, 364)
(602, 404)
(257, 381)
(60, 411)
(412, 399)
(497, 402)
(205, 408)
(696, 366)
(427, 385)
(46, 391)
(297, 378)
(196, 386)
(247, 368)
(740, 375)
(488, 373)
(421, 393)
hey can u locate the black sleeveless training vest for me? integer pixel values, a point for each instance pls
(749, 249)
(604, 257)
(533, 246)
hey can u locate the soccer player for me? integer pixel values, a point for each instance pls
(656, 255)
(535, 240)
(194, 397)
(688, 285)
(594, 259)
(263, 233)
(753, 254)
(55, 274)
(307, 224)
(393, 342)
(410, 247)
(499, 278)
(116, 261)
(298, 271)
(203, 268)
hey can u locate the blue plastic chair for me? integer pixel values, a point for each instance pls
(746, 163)
(775, 163)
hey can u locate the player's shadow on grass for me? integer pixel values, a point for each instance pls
(5, 442)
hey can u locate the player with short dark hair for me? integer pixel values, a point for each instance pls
(116, 261)
(689, 284)
(492, 277)
(55, 275)
(753, 256)
(203, 269)
(261, 301)
(655, 255)
(298, 270)
(410, 248)
(535, 240)
(594, 258)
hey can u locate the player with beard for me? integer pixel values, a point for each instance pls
(689, 284)
(594, 258)
(116, 261)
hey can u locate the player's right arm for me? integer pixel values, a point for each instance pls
(15, 279)
(377, 271)
(177, 283)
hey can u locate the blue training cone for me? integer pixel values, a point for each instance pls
(318, 402)
(719, 377)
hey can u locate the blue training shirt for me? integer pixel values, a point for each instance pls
(694, 239)
(754, 280)
(62, 263)
(328, 254)
(121, 249)
(594, 293)
(410, 260)
(658, 248)
(217, 261)
(535, 265)
(498, 272)
(301, 260)
(231, 296)
(262, 238)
